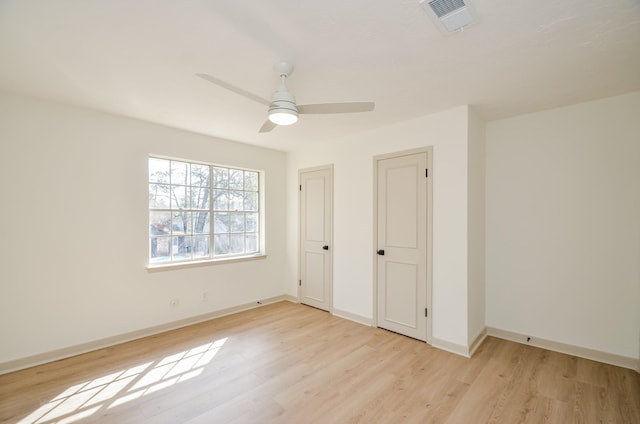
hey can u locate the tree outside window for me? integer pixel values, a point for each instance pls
(185, 197)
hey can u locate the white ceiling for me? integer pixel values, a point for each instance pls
(138, 58)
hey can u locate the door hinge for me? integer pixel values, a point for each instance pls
(300, 283)
(426, 312)
(300, 187)
(426, 173)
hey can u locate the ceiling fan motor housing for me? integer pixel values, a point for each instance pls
(283, 110)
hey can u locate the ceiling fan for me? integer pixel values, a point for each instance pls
(283, 109)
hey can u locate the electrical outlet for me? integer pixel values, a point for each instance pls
(205, 296)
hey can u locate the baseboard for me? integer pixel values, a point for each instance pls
(288, 298)
(582, 352)
(477, 341)
(352, 317)
(459, 349)
(55, 355)
(450, 347)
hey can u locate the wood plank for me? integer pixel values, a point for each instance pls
(288, 363)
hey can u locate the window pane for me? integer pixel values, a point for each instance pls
(199, 175)
(252, 222)
(251, 242)
(236, 179)
(159, 170)
(236, 201)
(179, 197)
(250, 181)
(236, 220)
(220, 177)
(181, 247)
(179, 173)
(159, 223)
(159, 249)
(200, 246)
(181, 223)
(221, 222)
(220, 200)
(200, 198)
(201, 222)
(250, 200)
(221, 244)
(237, 243)
(183, 200)
(159, 196)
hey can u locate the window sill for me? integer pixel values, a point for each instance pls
(208, 262)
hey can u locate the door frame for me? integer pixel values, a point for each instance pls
(301, 171)
(429, 151)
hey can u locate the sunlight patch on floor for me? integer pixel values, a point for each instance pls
(83, 400)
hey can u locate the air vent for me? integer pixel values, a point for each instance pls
(444, 7)
(449, 15)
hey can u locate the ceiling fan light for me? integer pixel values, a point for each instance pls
(283, 110)
(283, 116)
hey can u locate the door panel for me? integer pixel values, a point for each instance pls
(401, 293)
(401, 214)
(315, 234)
(402, 234)
(314, 222)
(315, 278)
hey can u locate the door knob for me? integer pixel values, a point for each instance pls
(381, 252)
(325, 247)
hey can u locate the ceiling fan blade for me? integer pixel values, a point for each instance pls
(236, 90)
(337, 107)
(267, 126)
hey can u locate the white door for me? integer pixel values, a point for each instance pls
(402, 244)
(316, 193)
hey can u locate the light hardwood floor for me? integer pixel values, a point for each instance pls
(289, 363)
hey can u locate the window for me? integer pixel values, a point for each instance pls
(186, 198)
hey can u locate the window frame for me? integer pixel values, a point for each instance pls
(212, 258)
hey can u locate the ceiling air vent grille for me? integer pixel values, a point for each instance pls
(444, 7)
(450, 15)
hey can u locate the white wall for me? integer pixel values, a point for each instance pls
(563, 225)
(562, 228)
(73, 225)
(476, 227)
(353, 248)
